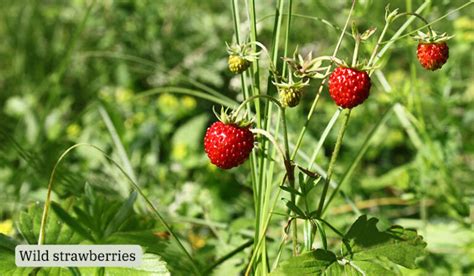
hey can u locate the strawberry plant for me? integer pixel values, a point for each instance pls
(335, 152)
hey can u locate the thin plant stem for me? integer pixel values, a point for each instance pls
(291, 179)
(255, 77)
(398, 33)
(360, 153)
(356, 50)
(227, 256)
(379, 42)
(186, 91)
(243, 81)
(255, 65)
(271, 138)
(323, 138)
(264, 230)
(287, 34)
(419, 17)
(334, 155)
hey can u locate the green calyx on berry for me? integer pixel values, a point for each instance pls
(359, 66)
(290, 92)
(232, 118)
(432, 37)
(241, 57)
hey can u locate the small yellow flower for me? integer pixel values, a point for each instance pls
(139, 118)
(73, 130)
(196, 241)
(104, 94)
(168, 102)
(6, 227)
(180, 151)
(123, 95)
(188, 102)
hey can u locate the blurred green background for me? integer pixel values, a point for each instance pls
(65, 74)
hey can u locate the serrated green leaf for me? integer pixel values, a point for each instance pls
(399, 245)
(57, 232)
(55, 271)
(70, 221)
(7, 258)
(7, 243)
(311, 263)
(8, 267)
(122, 214)
(362, 268)
(176, 261)
(151, 265)
(371, 268)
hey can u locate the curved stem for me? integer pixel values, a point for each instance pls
(419, 17)
(47, 203)
(228, 256)
(195, 93)
(271, 138)
(260, 96)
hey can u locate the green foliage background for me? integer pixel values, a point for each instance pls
(58, 70)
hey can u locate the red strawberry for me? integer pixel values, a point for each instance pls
(228, 145)
(432, 51)
(349, 87)
(432, 56)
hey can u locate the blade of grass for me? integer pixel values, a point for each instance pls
(187, 91)
(122, 154)
(227, 256)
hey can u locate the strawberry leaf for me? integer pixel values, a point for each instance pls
(311, 263)
(397, 244)
(373, 252)
(57, 232)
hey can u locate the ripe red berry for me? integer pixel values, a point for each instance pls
(349, 87)
(228, 145)
(432, 56)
